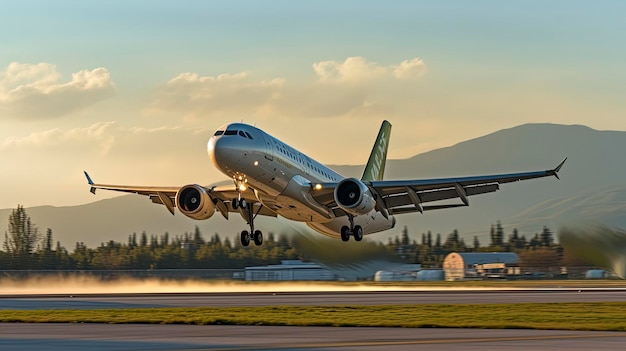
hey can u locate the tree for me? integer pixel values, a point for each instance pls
(476, 243)
(405, 236)
(22, 237)
(546, 237)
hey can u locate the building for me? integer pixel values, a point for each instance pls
(480, 265)
(289, 270)
(405, 272)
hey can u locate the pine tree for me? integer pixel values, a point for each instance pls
(22, 237)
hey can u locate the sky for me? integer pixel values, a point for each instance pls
(131, 91)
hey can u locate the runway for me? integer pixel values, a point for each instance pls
(191, 337)
(97, 337)
(91, 301)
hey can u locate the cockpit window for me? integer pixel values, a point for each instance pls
(249, 136)
(242, 134)
(219, 132)
(230, 132)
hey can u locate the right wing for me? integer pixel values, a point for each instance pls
(166, 195)
(404, 196)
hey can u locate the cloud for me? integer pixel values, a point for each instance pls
(358, 70)
(34, 91)
(205, 96)
(99, 136)
(352, 87)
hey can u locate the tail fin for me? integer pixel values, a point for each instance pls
(375, 168)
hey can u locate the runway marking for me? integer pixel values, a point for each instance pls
(415, 342)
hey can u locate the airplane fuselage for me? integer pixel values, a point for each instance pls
(281, 176)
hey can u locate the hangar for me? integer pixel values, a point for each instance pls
(289, 270)
(480, 265)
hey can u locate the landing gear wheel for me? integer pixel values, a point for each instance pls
(258, 237)
(234, 203)
(243, 203)
(245, 238)
(345, 233)
(358, 233)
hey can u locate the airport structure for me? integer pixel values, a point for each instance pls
(480, 265)
(289, 270)
(408, 272)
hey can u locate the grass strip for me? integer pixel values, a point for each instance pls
(609, 316)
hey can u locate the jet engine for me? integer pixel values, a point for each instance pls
(194, 202)
(353, 196)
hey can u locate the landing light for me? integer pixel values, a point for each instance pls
(242, 187)
(256, 163)
(318, 186)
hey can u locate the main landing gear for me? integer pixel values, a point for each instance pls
(352, 230)
(247, 212)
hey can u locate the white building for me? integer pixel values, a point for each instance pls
(480, 265)
(405, 272)
(289, 270)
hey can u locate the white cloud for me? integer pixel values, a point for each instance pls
(352, 87)
(409, 69)
(34, 91)
(99, 136)
(358, 69)
(205, 96)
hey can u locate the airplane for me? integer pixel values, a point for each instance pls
(271, 178)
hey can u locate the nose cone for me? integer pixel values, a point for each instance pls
(224, 153)
(215, 153)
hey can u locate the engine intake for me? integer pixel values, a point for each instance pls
(194, 202)
(354, 197)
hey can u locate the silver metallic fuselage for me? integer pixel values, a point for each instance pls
(281, 178)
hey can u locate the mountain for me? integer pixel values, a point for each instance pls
(592, 186)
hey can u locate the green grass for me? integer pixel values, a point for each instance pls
(610, 316)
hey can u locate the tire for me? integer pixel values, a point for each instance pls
(258, 238)
(245, 238)
(345, 233)
(358, 233)
(235, 204)
(243, 203)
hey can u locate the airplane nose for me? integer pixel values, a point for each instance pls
(214, 151)
(223, 152)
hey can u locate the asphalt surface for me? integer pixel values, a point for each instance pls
(91, 301)
(54, 337)
(97, 337)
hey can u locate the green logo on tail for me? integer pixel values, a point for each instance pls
(375, 168)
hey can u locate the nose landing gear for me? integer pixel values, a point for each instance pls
(247, 212)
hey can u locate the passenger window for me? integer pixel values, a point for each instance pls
(219, 132)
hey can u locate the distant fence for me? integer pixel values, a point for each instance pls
(175, 274)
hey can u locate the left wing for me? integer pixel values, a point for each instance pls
(404, 196)
(166, 195)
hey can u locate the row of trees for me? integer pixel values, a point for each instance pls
(539, 251)
(25, 248)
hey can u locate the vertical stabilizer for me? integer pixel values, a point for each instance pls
(375, 168)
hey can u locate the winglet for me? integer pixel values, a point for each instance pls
(93, 189)
(88, 178)
(555, 171)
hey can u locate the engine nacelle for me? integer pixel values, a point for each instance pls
(354, 197)
(194, 202)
